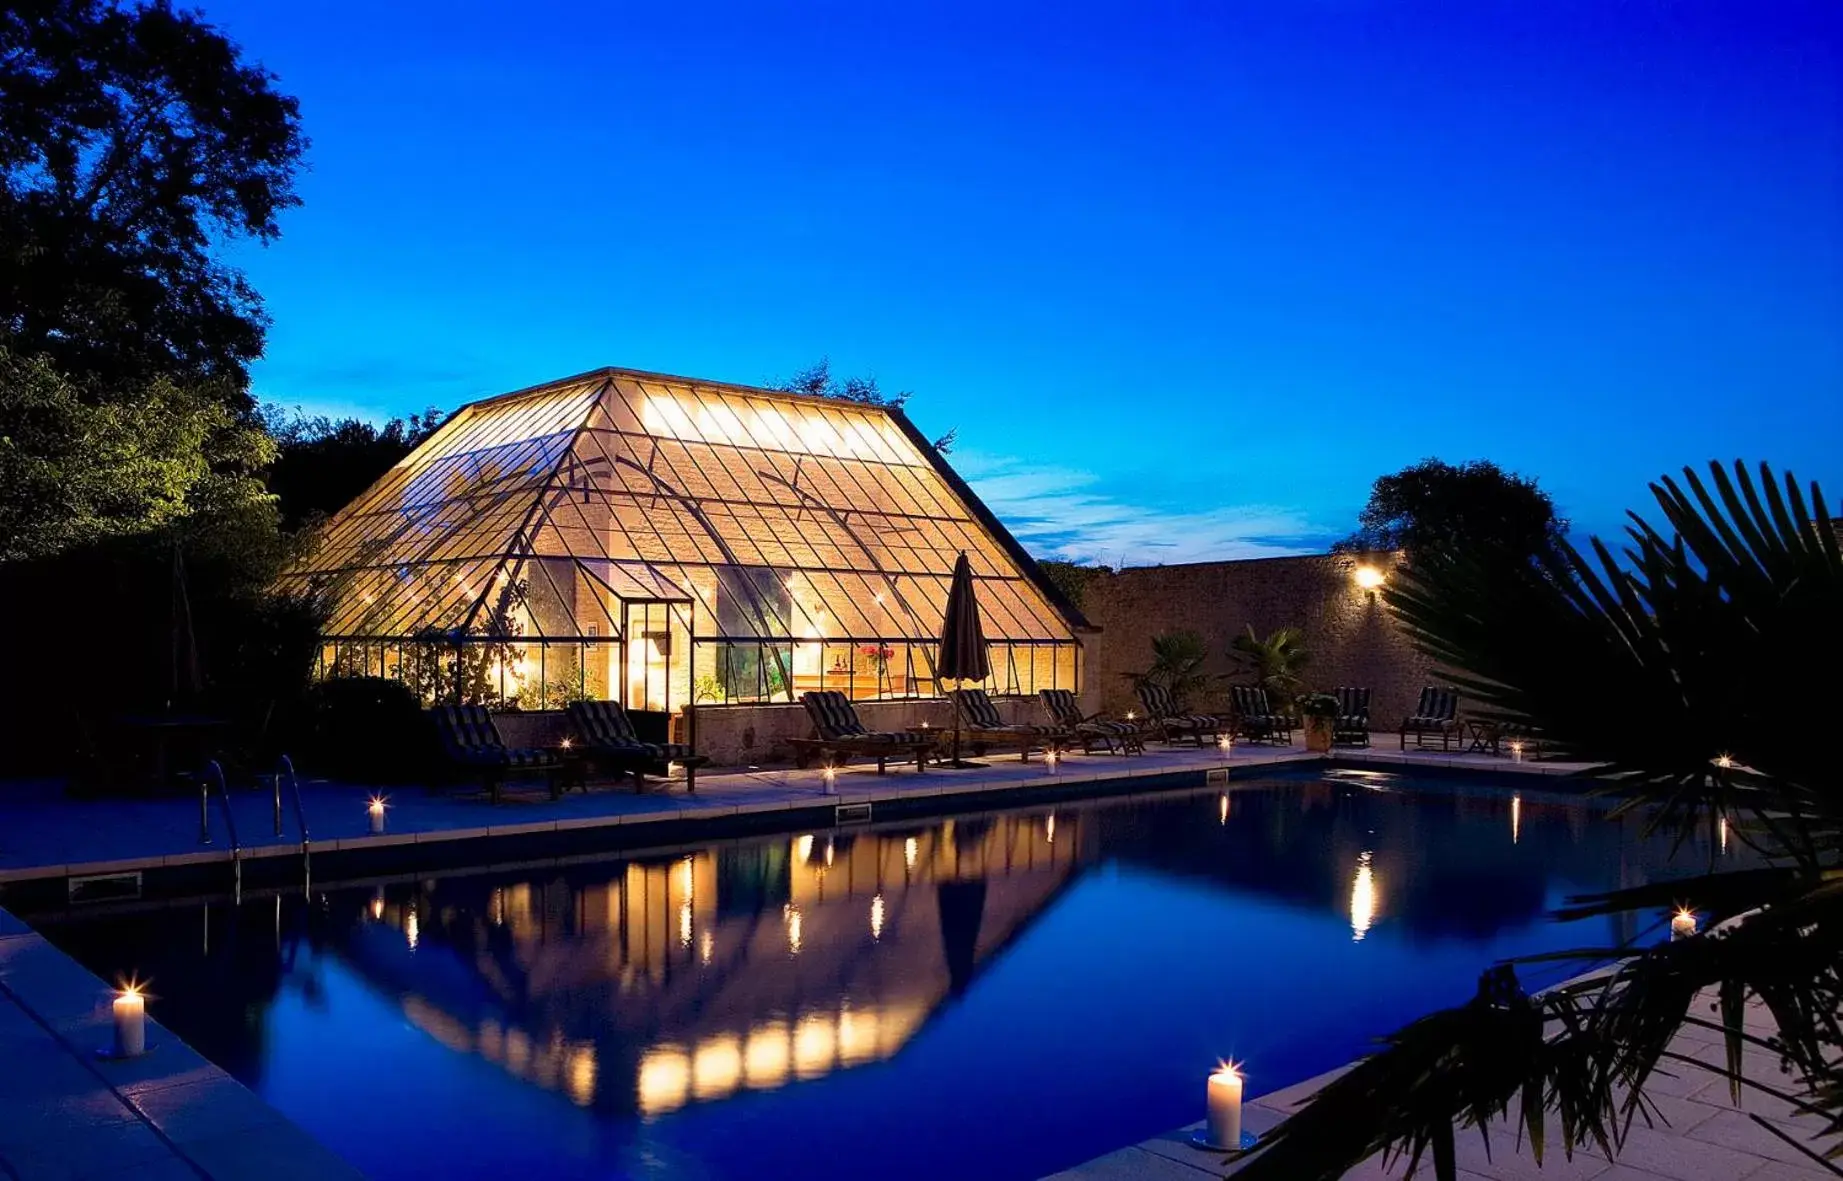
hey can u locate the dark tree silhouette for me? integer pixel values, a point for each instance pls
(1469, 507)
(323, 464)
(134, 142)
(816, 381)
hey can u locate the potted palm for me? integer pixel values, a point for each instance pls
(1319, 711)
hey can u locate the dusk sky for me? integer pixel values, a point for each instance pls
(1185, 277)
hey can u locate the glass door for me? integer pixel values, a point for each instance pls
(657, 654)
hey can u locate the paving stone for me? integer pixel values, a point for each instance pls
(1736, 1130)
(1132, 1164)
(280, 1152)
(1689, 1156)
(75, 1153)
(202, 1108)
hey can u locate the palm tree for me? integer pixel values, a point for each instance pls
(1696, 672)
(1274, 662)
(1177, 664)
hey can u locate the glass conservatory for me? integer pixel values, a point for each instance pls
(660, 540)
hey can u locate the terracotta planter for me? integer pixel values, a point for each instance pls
(1318, 734)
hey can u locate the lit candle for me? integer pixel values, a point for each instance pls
(830, 776)
(1224, 1124)
(1516, 752)
(375, 810)
(1226, 745)
(1050, 759)
(130, 1022)
(1683, 924)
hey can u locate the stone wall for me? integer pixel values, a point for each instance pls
(1352, 638)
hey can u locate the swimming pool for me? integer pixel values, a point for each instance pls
(993, 995)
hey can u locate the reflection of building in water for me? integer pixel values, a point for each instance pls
(746, 968)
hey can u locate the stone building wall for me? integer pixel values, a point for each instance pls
(1350, 635)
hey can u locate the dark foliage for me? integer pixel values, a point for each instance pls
(1667, 667)
(134, 143)
(365, 729)
(323, 464)
(1072, 578)
(816, 381)
(1474, 507)
(120, 641)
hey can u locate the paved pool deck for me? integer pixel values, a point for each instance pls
(1696, 1133)
(45, 834)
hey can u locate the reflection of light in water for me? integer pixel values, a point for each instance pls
(1222, 809)
(1722, 830)
(857, 1036)
(377, 906)
(1362, 898)
(581, 1083)
(716, 1066)
(876, 917)
(1049, 828)
(684, 924)
(499, 906)
(803, 848)
(707, 947)
(684, 877)
(814, 1042)
(764, 1061)
(909, 850)
(665, 1080)
(412, 931)
(518, 1050)
(828, 852)
(792, 914)
(1516, 819)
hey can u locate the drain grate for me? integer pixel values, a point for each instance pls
(852, 814)
(105, 887)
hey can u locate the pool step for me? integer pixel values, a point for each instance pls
(852, 814)
(105, 887)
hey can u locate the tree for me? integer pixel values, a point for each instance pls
(816, 381)
(1474, 506)
(135, 143)
(1072, 578)
(1273, 663)
(322, 465)
(1177, 664)
(72, 472)
(1670, 668)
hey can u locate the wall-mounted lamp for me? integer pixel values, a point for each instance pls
(1368, 578)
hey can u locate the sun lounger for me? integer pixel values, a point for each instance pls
(1112, 735)
(838, 733)
(605, 735)
(472, 744)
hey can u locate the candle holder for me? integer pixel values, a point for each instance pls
(1200, 1139)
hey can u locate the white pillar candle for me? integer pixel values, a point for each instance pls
(1224, 1124)
(1683, 925)
(130, 1024)
(376, 811)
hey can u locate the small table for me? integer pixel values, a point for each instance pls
(1485, 736)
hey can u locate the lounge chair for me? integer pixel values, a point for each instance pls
(605, 735)
(1116, 737)
(1255, 717)
(472, 743)
(1437, 713)
(838, 732)
(984, 727)
(1171, 723)
(1351, 726)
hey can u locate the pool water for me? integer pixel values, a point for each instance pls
(997, 995)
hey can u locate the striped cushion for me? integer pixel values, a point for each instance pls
(1157, 700)
(1436, 705)
(832, 714)
(466, 728)
(1061, 706)
(1352, 702)
(602, 723)
(977, 708)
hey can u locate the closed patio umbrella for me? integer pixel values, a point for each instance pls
(963, 649)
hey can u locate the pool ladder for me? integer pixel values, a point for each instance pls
(214, 777)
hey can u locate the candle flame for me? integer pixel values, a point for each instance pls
(1725, 762)
(376, 806)
(1229, 1067)
(133, 986)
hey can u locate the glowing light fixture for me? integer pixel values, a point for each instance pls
(1725, 762)
(1683, 923)
(1368, 578)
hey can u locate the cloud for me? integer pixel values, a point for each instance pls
(1061, 512)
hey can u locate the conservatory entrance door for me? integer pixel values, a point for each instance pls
(658, 655)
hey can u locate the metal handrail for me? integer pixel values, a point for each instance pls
(215, 772)
(286, 766)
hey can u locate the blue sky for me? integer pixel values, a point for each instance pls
(1186, 277)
